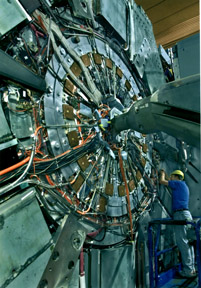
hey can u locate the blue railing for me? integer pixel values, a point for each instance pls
(154, 275)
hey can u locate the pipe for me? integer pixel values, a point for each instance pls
(89, 8)
(132, 31)
(173, 109)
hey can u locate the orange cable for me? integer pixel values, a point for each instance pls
(84, 212)
(64, 195)
(14, 110)
(64, 153)
(11, 168)
(19, 164)
(34, 175)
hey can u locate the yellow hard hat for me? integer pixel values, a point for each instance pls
(178, 172)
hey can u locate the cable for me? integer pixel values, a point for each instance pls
(30, 161)
(60, 191)
(17, 182)
(127, 191)
(11, 168)
(98, 240)
(117, 245)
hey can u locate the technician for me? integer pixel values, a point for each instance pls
(180, 209)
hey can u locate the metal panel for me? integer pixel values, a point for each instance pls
(11, 14)
(95, 269)
(188, 54)
(65, 254)
(31, 276)
(54, 116)
(145, 53)
(30, 5)
(8, 144)
(80, 9)
(118, 19)
(21, 240)
(74, 281)
(117, 268)
(21, 124)
(193, 180)
(164, 55)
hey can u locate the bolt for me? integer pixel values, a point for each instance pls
(63, 51)
(50, 89)
(14, 272)
(56, 145)
(55, 255)
(76, 242)
(77, 39)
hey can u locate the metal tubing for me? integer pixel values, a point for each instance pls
(166, 250)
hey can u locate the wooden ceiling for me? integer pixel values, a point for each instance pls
(172, 20)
